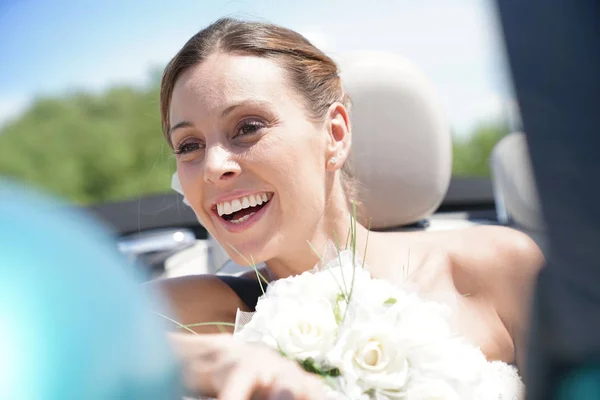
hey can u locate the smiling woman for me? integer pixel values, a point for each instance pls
(244, 136)
(259, 121)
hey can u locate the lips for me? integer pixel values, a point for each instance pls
(228, 209)
(238, 213)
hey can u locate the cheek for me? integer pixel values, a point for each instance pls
(292, 163)
(188, 177)
(289, 157)
(191, 183)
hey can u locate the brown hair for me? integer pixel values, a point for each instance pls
(313, 74)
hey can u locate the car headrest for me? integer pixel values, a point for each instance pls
(402, 146)
(515, 191)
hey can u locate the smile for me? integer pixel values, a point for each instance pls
(242, 210)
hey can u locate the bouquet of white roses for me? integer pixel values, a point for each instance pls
(370, 339)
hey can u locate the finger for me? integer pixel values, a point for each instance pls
(283, 394)
(292, 382)
(242, 384)
(312, 387)
(297, 388)
(201, 378)
(203, 367)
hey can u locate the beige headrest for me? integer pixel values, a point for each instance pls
(402, 146)
(402, 149)
(515, 191)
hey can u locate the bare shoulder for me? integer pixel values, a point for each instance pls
(199, 299)
(494, 252)
(483, 252)
(496, 266)
(502, 264)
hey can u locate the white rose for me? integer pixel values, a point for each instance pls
(333, 283)
(369, 353)
(432, 347)
(327, 283)
(301, 328)
(305, 284)
(346, 277)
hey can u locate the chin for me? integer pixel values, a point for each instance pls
(246, 255)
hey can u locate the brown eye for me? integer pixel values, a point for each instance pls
(187, 147)
(250, 127)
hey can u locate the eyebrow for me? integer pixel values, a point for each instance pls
(227, 111)
(249, 102)
(182, 124)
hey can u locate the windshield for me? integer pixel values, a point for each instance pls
(79, 112)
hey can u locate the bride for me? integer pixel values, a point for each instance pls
(258, 120)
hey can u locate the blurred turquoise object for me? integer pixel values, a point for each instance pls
(580, 384)
(74, 322)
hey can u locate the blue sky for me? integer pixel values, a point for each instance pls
(49, 47)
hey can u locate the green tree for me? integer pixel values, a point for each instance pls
(90, 147)
(471, 154)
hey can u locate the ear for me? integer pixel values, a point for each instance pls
(340, 136)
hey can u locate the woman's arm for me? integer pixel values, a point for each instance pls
(200, 299)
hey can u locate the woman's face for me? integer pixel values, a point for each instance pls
(251, 163)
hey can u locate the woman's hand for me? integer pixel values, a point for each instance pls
(229, 369)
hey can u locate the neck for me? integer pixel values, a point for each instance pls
(333, 229)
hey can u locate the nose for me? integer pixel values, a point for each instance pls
(219, 165)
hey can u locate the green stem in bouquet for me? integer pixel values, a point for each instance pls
(312, 247)
(310, 365)
(339, 253)
(354, 240)
(188, 326)
(210, 324)
(175, 322)
(353, 227)
(347, 238)
(219, 325)
(406, 270)
(366, 243)
(259, 276)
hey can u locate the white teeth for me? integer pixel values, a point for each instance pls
(236, 205)
(244, 218)
(229, 207)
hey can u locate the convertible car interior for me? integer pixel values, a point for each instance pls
(402, 157)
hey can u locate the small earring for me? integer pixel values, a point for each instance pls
(332, 160)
